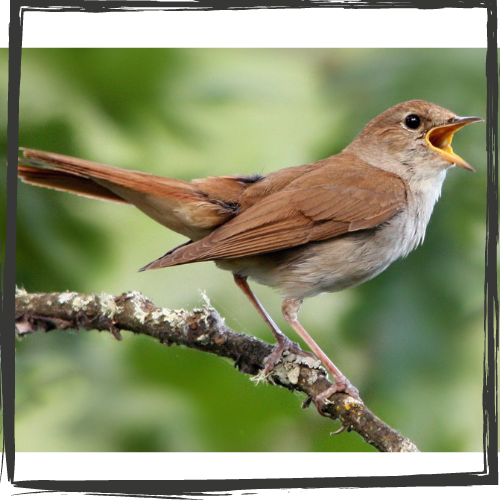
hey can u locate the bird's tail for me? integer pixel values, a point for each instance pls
(189, 208)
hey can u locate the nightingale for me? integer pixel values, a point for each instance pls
(304, 230)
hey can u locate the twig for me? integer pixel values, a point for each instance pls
(201, 329)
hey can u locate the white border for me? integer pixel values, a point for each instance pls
(182, 466)
(314, 27)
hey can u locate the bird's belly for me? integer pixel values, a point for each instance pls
(326, 266)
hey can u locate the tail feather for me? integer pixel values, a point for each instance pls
(193, 209)
(62, 181)
(113, 178)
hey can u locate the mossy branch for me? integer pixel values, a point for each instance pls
(202, 329)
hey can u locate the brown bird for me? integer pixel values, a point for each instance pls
(304, 230)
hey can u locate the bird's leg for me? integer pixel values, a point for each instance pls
(283, 342)
(290, 309)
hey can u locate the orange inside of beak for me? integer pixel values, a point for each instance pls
(439, 139)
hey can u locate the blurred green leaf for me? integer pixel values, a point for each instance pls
(411, 339)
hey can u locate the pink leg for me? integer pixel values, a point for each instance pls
(283, 342)
(290, 310)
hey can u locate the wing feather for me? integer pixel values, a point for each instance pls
(304, 211)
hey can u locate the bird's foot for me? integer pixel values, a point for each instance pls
(283, 344)
(343, 386)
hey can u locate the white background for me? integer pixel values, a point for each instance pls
(259, 28)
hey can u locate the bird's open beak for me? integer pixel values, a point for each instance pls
(439, 139)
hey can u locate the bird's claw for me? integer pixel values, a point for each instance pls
(343, 386)
(339, 431)
(282, 346)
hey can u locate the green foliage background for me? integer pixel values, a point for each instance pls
(411, 340)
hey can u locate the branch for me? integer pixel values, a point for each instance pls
(202, 329)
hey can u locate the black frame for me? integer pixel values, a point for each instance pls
(168, 488)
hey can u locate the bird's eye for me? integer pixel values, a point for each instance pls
(412, 121)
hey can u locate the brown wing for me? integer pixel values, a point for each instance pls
(340, 196)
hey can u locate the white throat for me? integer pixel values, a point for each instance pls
(425, 190)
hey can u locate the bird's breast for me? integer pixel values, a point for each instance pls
(339, 263)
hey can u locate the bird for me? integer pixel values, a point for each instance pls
(304, 230)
